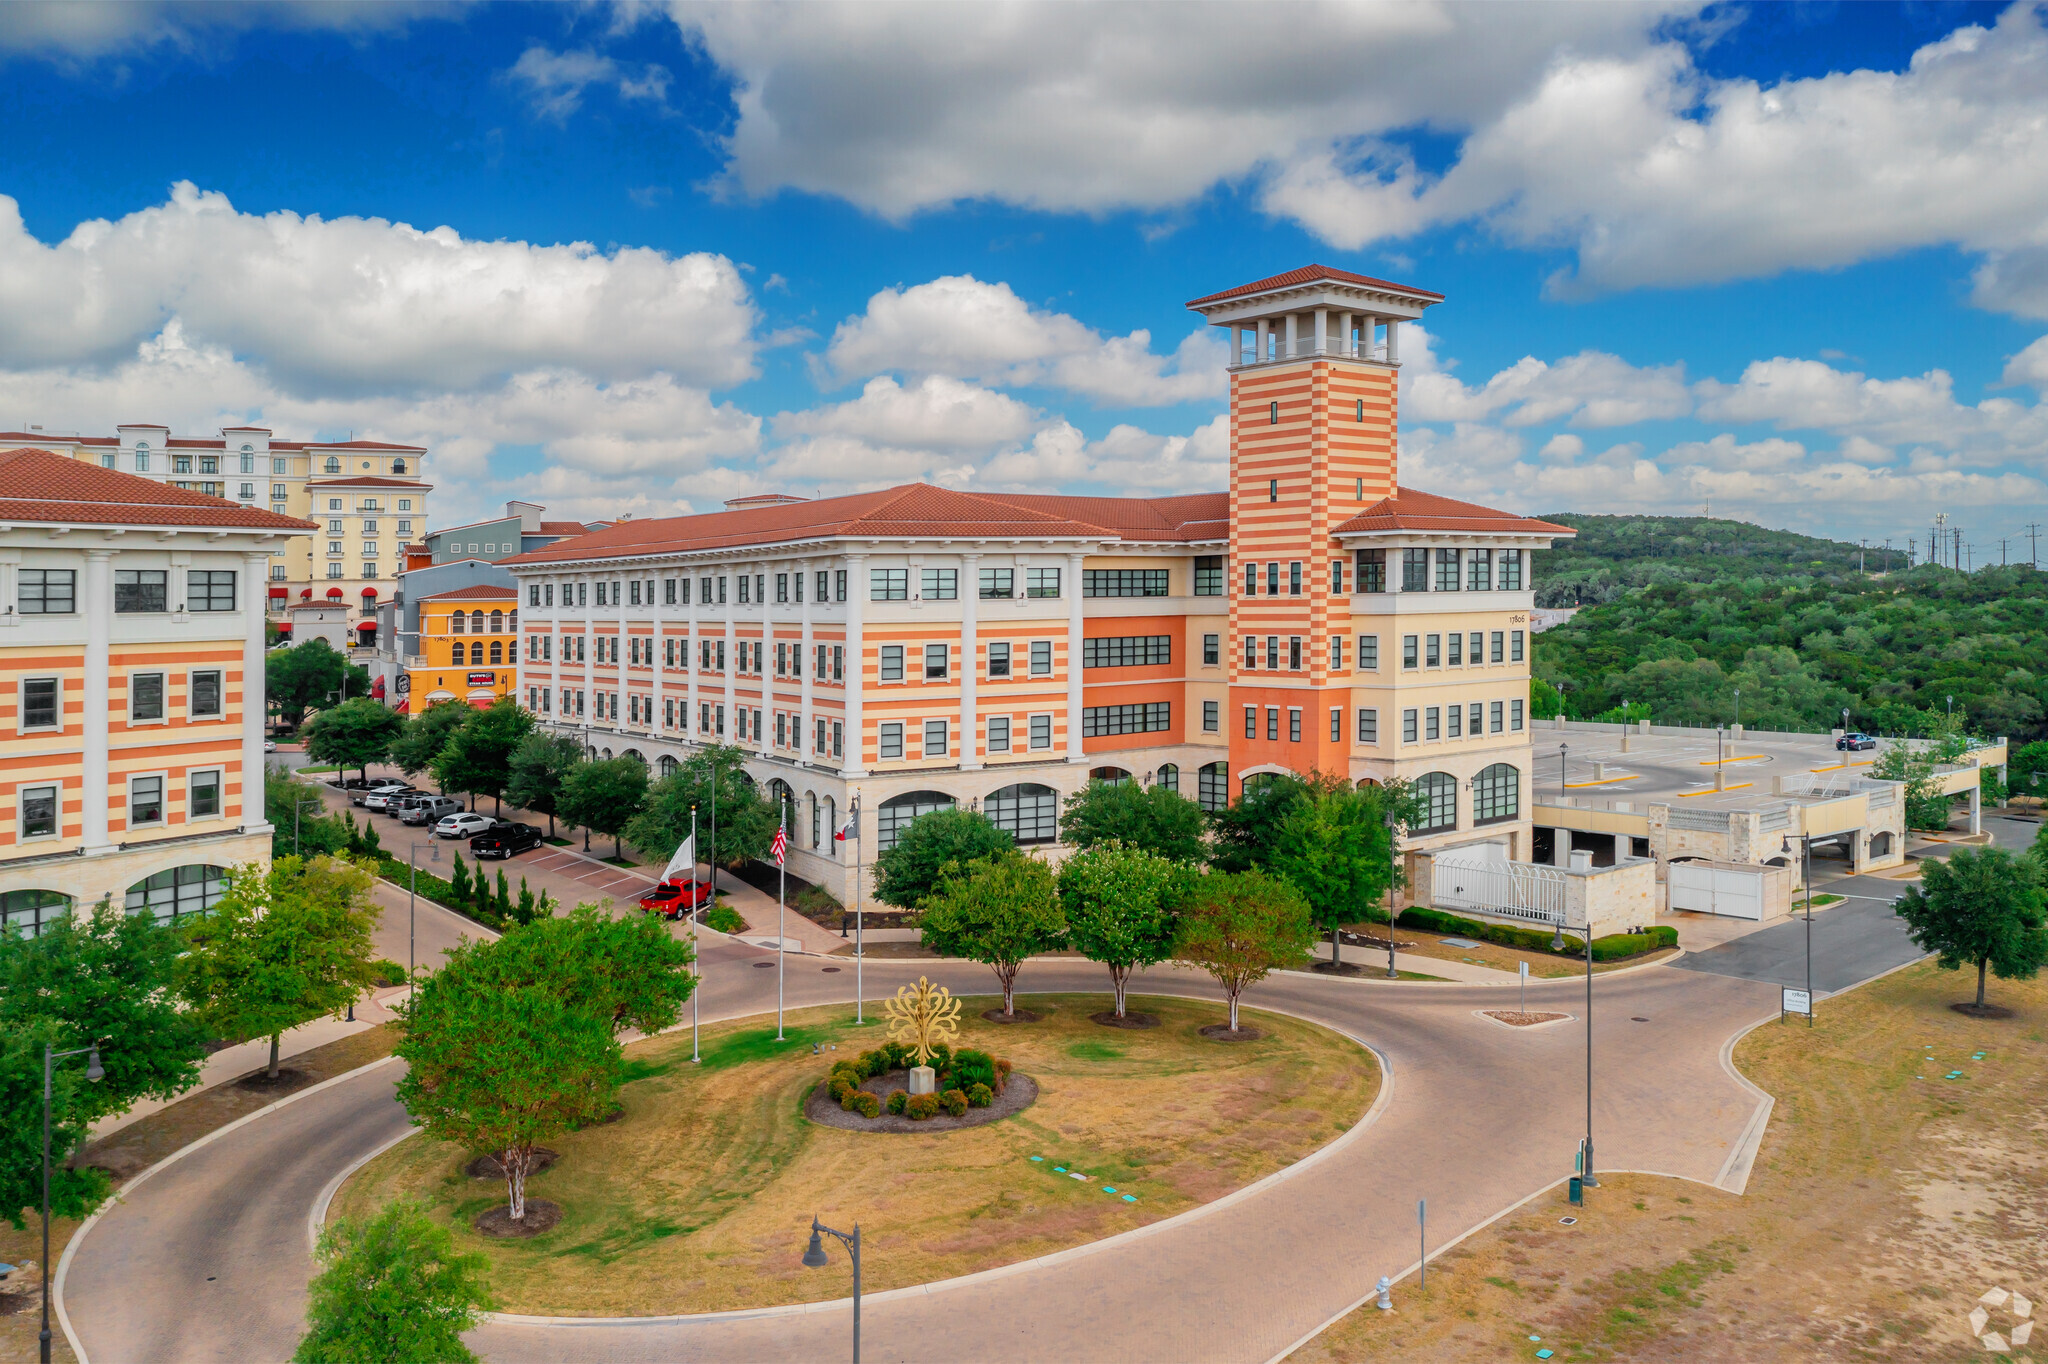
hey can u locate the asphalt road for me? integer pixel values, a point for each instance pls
(1852, 941)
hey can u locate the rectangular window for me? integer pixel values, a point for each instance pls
(1515, 716)
(1457, 719)
(1273, 579)
(1509, 577)
(38, 812)
(1476, 725)
(1251, 722)
(703, 591)
(782, 594)
(145, 697)
(1273, 724)
(1337, 652)
(1336, 724)
(1041, 658)
(1368, 725)
(717, 718)
(892, 663)
(1408, 651)
(39, 703)
(1148, 717)
(746, 587)
(634, 597)
(1415, 570)
(210, 589)
(1212, 650)
(1212, 716)
(668, 591)
(204, 699)
(1294, 578)
(939, 584)
(1514, 646)
(145, 801)
(1251, 652)
(1457, 657)
(202, 795)
(138, 590)
(1495, 718)
(1041, 731)
(1041, 582)
(1369, 653)
(936, 657)
(1124, 582)
(781, 659)
(838, 730)
(533, 594)
(1478, 648)
(1372, 570)
(781, 730)
(720, 656)
(1432, 651)
(838, 594)
(1208, 575)
(1496, 645)
(1447, 570)
(1408, 726)
(935, 745)
(891, 740)
(1294, 724)
(1479, 570)
(721, 591)
(998, 584)
(1272, 653)
(838, 662)
(1127, 651)
(999, 658)
(999, 734)
(1251, 580)
(1432, 723)
(1294, 653)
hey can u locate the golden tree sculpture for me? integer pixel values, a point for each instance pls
(923, 1018)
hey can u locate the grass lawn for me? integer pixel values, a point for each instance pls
(700, 1199)
(1885, 1200)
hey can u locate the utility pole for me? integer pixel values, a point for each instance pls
(2034, 539)
(1860, 544)
(1887, 555)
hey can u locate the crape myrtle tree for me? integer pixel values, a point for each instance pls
(996, 910)
(538, 767)
(1238, 926)
(393, 1289)
(1121, 908)
(1156, 818)
(911, 870)
(355, 734)
(1981, 907)
(604, 796)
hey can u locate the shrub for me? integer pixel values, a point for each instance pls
(849, 1097)
(388, 972)
(870, 1105)
(921, 1106)
(898, 1099)
(954, 1102)
(873, 1063)
(897, 1055)
(1002, 1075)
(971, 1068)
(724, 919)
(942, 1057)
(981, 1096)
(1615, 946)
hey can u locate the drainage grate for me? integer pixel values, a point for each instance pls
(763, 965)
(832, 970)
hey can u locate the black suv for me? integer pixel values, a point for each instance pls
(504, 839)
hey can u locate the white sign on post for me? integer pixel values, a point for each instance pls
(1796, 1002)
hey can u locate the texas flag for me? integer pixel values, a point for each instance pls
(848, 830)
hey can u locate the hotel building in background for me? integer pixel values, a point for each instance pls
(132, 623)
(919, 647)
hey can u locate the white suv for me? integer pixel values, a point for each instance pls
(463, 825)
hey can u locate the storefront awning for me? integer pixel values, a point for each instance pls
(370, 592)
(280, 592)
(402, 706)
(334, 594)
(366, 625)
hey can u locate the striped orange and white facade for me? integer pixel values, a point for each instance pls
(131, 688)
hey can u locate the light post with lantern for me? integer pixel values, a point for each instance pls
(815, 1258)
(93, 1072)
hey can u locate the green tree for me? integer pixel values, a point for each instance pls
(310, 676)
(477, 758)
(426, 735)
(1122, 909)
(354, 734)
(1545, 701)
(1915, 765)
(1239, 926)
(908, 872)
(630, 974)
(996, 910)
(1336, 848)
(605, 796)
(281, 947)
(1980, 906)
(316, 831)
(73, 1193)
(393, 1290)
(537, 769)
(1156, 818)
(106, 977)
(746, 819)
(1246, 828)
(2028, 767)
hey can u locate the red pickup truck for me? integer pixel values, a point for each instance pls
(674, 898)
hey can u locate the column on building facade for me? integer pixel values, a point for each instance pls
(806, 739)
(586, 683)
(658, 664)
(729, 627)
(1393, 349)
(1291, 337)
(970, 666)
(1367, 325)
(1075, 753)
(692, 665)
(1265, 331)
(1322, 331)
(625, 657)
(854, 763)
(98, 607)
(255, 707)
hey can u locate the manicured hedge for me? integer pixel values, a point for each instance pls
(1613, 947)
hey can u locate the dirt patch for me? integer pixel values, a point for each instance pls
(1018, 1016)
(25, 1300)
(1129, 1020)
(1521, 1020)
(488, 1167)
(1975, 1010)
(1223, 1032)
(1342, 968)
(541, 1215)
(287, 1079)
(821, 1108)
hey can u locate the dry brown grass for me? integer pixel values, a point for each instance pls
(1885, 1199)
(701, 1198)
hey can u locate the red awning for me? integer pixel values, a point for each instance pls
(280, 592)
(366, 625)
(284, 627)
(400, 708)
(370, 592)
(334, 594)
(306, 595)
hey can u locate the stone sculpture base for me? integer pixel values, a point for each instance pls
(923, 1080)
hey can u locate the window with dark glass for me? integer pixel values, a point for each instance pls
(145, 801)
(892, 663)
(1212, 716)
(145, 697)
(1432, 651)
(1437, 794)
(1509, 576)
(1209, 575)
(1127, 651)
(1148, 717)
(1124, 582)
(1496, 794)
(1478, 570)
(999, 658)
(939, 584)
(936, 657)
(1447, 570)
(1212, 650)
(139, 590)
(998, 584)
(1372, 570)
(38, 812)
(39, 703)
(205, 702)
(1368, 725)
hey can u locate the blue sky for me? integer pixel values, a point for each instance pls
(1792, 259)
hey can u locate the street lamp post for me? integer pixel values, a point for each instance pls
(697, 962)
(1587, 1172)
(1806, 874)
(1562, 750)
(92, 1072)
(412, 895)
(814, 1258)
(1392, 862)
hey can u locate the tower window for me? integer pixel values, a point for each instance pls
(1273, 414)
(1360, 494)
(1272, 490)
(1361, 409)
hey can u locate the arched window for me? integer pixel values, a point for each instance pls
(1109, 776)
(1257, 780)
(667, 766)
(1881, 844)
(497, 651)
(1212, 786)
(1168, 777)
(636, 755)
(178, 892)
(1030, 812)
(497, 622)
(779, 795)
(893, 816)
(29, 912)
(476, 622)
(811, 799)
(458, 623)
(1436, 794)
(333, 465)
(397, 466)
(607, 755)
(1496, 794)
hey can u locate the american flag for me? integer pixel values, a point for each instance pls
(781, 843)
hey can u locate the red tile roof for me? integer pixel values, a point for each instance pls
(1412, 510)
(477, 592)
(562, 528)
(366, 481)
(40, 486)
(1310, 274)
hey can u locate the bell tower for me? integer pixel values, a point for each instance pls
(1314, 423)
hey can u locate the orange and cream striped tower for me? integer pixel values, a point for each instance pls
(1314, 406)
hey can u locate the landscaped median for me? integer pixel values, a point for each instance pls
(698, 1198)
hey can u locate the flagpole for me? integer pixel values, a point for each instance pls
(781, 882)
(697, 961)
(859, 960)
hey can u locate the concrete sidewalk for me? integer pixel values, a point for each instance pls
(1464, 972)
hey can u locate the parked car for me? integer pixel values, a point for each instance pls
(358, 783)
(427, 809)
(384, 787)
(674, 898)
(1854, 742)
(270, 745)
(505, 838)
(386, 798)
(462, 825)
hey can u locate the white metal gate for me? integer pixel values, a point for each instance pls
(1465, 878)
(1733, 892)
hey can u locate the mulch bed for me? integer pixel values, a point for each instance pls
(1521, 1020)
(1020, 1016)
(1975, 1010)
(1342, 968)
(487, 1166)
(821, 1108)
(1222, 1032)
(287, 1080)
(1129, 1020)
(541, 1215)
